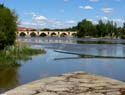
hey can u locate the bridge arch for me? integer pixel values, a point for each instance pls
(53, 34)
(22, 34)
(74, 34)
(43, 35)
(63, 34)
(46, 33)
(33, 34)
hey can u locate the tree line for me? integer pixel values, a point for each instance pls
(8, 25)
(102, 29)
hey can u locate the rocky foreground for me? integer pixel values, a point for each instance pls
(77, 83)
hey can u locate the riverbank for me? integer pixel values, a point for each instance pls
(77, 83)
(19, 51)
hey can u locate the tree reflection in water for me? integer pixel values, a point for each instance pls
(8, 78)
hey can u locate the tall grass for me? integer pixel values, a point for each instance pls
(20, 51)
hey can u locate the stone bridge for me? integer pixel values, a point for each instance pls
(47, 33)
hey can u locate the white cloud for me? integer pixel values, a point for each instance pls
(31, 13)
(117, 20)
(33, 23)
(104, 18)
(93, 0)
(107, 10)
(40, 21)
(36, 16)
(40, 17)
(70, 21)
(28, 23)
(93, 21)
(86, 7)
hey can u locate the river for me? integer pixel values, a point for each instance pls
(54, 63)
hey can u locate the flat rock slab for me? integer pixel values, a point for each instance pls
(77, 83)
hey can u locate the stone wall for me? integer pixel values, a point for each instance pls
(77, 83)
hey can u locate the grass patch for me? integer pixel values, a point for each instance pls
(20, 51)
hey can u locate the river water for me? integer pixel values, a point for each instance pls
(110, 61)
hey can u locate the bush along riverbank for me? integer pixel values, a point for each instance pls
(20, 51)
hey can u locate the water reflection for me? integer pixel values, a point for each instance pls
(72, 40)
(95, 47)
(8, 78)
(92, 49)
(47, 40)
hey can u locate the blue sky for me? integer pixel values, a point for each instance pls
(65, 13)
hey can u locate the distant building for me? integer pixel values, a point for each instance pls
(24, 29)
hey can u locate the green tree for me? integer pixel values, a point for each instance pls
(45, 29)
(119, 32)
(74, 28)
(2, 40)
(101, 28)
(111, 28)
(8, 24)
(85, 28)
(123, 31)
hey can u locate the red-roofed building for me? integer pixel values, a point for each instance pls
(24, 29)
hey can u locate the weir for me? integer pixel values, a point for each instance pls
(89, 56)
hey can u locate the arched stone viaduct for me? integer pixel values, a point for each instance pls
(47, 33)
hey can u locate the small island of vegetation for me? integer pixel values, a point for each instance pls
(11, 50)
(19, 51)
